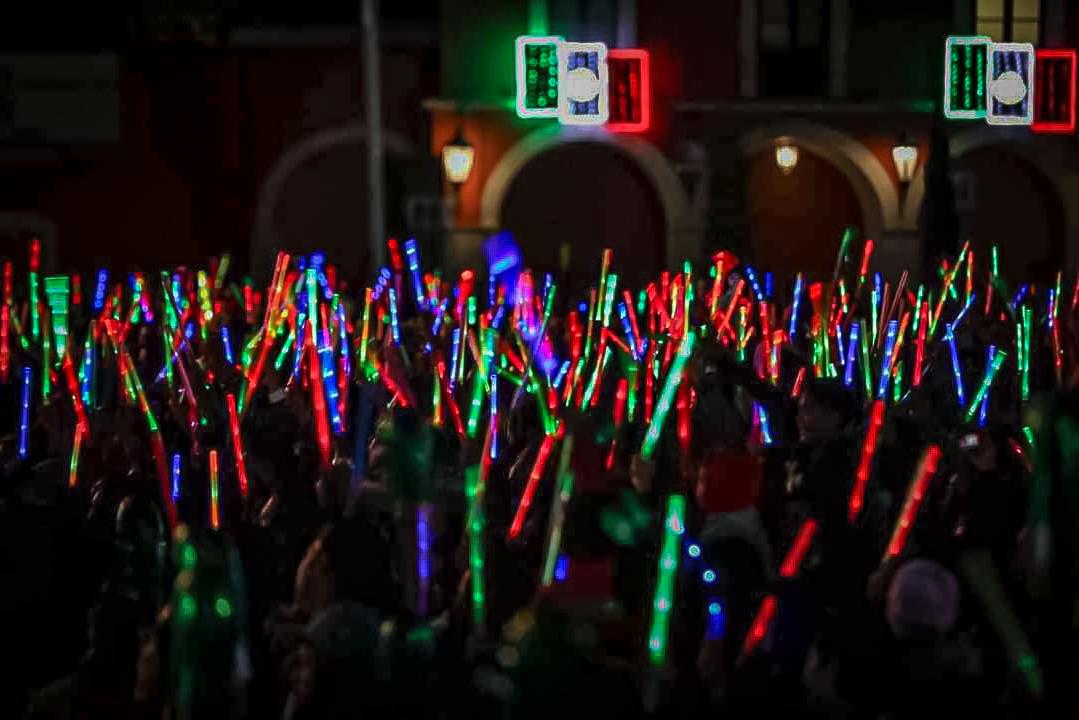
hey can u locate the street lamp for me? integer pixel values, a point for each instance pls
(786, 156)
(905, 157)
(458, 156)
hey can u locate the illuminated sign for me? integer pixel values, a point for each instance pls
(1011, 80)
(1054, 91)
(630, 93)
(965, 60)
(582, 82)
(537, 76)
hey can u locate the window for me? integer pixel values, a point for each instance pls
(793, 47)
(1010, 20)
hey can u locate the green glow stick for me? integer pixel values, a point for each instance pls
(663, 601)
(631, 401)
(666, 396)
(608, 298)
(1025, 378)
(987, 380)
(57, 291)
(46, 361)
(897, 387)
(867, 372)
(289, 340)
(311, 281)
(558, 513)
(478, 382)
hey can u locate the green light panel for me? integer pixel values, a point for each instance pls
(537, 76)
(965, 62)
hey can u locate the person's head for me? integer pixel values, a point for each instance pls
(923, 596)
(823, 409)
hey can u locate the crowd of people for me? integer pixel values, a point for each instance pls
(495, 497)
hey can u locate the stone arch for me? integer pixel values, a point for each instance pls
(683, 234)
(874, 188)
(264, 239)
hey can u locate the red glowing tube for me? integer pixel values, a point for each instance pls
(318, 400)
(863, 270)
(82, 424)
(726, 322)
(464, 290)
(915, 493)
(530, 488)
(684, 409)
(865, 460)
(395, 255)
(5, 342)
(237, 444)
(799, 380)
(215, 505)
(791, 564)
(919, 347)
(648, 385)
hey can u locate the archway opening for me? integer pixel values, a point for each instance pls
(573, 200)
(796, 219)
(1006, 201)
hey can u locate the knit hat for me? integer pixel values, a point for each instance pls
(922, 595)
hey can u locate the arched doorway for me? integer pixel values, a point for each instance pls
(796, 219)
(1014, 206)
(579, 198)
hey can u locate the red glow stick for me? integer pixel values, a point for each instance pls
(237, 444)
(791, 564)
(215, 509)
(683, 407)
(83, 425)
(919, 348)
(726, 323)
(533, 482)
(799, 380)
(869, 448)
(915, 493)
(318, 400)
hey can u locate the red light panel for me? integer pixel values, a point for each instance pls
(1054, 91)
(630, 92)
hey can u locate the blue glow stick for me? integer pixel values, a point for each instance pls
(562, 372)
(437, 327)
(413, 256)
(383, 280)
(100, 289)
(329, 386)
(949, 337)
(839, 343)
(423, 553)
(301, 329)
(226, 341)
(24, 413)
(716, 620)
(852, 354)
(175, 476)
(456, 353)
(492, 382)
(342, 337)
(393, 318)
(886, 360)
(752, 276)
(983, 407)
(627, 328)
(795, 302)
(766, 432)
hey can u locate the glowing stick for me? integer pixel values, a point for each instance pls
(922, 311)
(558, 513)
(795, 301)
(762, 418)
(1024, 387)
(423, 546)
(530, 487)
(886, 359)
(68, 367)
(990, 373)
(329, 386)
(799, 381)
(492, 411)
(915, 493)
(5, 342)
(627, 328)
(762, 621)
(175, 477)
(874, 305)
(605, 264)
(46, 363)
(394, 327)
(24, 414)
(318, 400)
(731, 305)
(957, 370)
(73, 466)
(983, 407)
(100, 289)
(35, 265)
(237, 444)
(667, 571)
(852, 349)
(215, 510)
(865, 460)
(666, 396)
(412, 254)
(478, 382)
(475, 491)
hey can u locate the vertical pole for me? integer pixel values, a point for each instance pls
(373, 109)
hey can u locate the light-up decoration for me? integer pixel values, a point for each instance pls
(1011, 79)
(786, 157)
(582, 83)
(537, 76)
(905, 158)
(458, 157)
(1054, 91)
(630, 92)
(57, 292)
(965, 89)
(663, 600)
